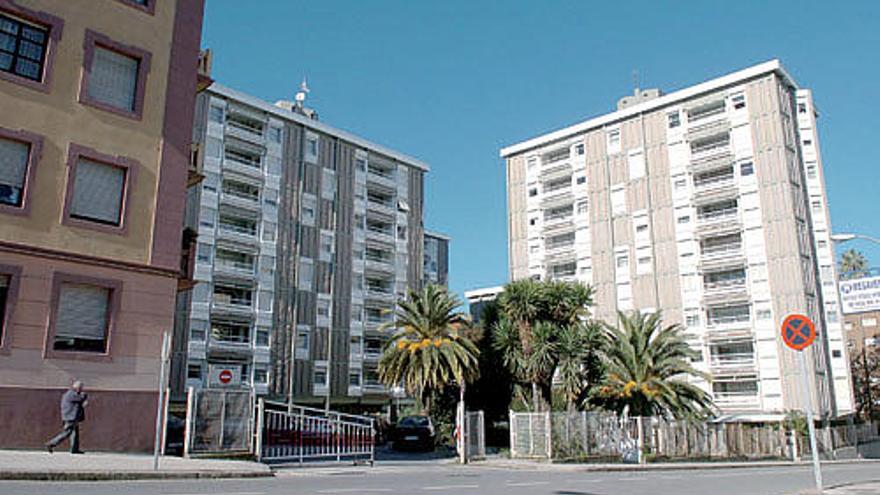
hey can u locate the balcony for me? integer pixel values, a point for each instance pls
(712, 220)
(706, 110)
(229, 338)
(558, 196)
(373, 386)
(243, 163)
(383, 263)
(382, 177)
(713, 123)
(729, 316)
(554, 157)
(233, 300)
(386, 208)
(733, 362)
(738, 393)
(728, 251)
(238, 230)
(245, 128)
(380, 232)
(556, 171)
(710, 185)
(710, 153)
(240, 199)
(235, 266)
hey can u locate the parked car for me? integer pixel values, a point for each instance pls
(414, 433)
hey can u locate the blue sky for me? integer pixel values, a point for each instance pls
(451, 82)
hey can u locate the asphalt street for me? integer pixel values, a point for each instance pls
(450, 479)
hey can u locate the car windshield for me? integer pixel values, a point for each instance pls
(414, 421)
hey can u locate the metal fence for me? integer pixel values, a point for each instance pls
(300, 434)
(476, 435)
(218, 421)
(603, 436)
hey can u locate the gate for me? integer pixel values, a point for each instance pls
(218, 421)
(300, 434)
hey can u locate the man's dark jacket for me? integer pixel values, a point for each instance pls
(72, 406)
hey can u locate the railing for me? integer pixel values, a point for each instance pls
(717, 215)
(738, 360)
(725, 284)
(720, 249)
(714, 182)
(735, 398)
(556, 156)
(257, 132)
(372, 354)
(300, 434)
(697, 114)
(233, 266)
(729, 319)
(238, 229)
(559, 246)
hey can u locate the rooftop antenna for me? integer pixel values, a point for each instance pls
(301, 94)
(635, 81)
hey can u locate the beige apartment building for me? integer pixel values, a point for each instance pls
(96, 111)
(707, 204)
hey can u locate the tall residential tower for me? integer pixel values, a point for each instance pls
(307, 235)
(707, 204)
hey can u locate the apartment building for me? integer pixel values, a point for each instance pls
(478, 299)
(307, 235)
(96, 109)
(707, 204)
(436, 255)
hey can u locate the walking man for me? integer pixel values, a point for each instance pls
(73, 404)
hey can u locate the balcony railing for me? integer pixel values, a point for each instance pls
(240, 199)
(739, 360)
(729, 319)
(717, 215)
(747, 398)
(722, 249)
(719, 285)
(234, 266)
(705, 111)
(241, 129)
(716, 182)
(238, 230)
(243, 165)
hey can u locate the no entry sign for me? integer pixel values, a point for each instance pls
(798, 332)
(225, 377)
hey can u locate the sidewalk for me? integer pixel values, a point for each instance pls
(61, 466)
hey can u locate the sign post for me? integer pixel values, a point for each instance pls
(799, 332)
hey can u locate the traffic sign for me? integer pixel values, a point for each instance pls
(225, 377)
(798, 332)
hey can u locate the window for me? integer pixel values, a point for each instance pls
(636, 162)
(811, 170)
(680, 184)
(808, 142)
(533, 221)
(361, 164)
(312, 147)
(582, 206)
(261, 375)
(16, 159)
(817, 206)
(97, 190)
(354, 379)
(673, 119)
(302, 339)
(684, 219)
(8, 287)
(198, 329)
(401, 232)
(114, 75)
(763, 314)
(746, 169)
(194, 372)
(82, 316)
(533, 192)
(275, 134)
(581, 180)
(306, 275)
(613, 138)
(802, 108)
(869, 322)
(323, 308)
(204, 252)
(216, 114)
(641, 229)
(327, 243)
(320, 377)
(147, 6)
(23, 48)
(692, 320)
(579, 149)
(618, 201)
(269, 231)
(738, 101)
(262, 336)
(622, 261)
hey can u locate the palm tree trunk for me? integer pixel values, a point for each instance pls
(536, 398)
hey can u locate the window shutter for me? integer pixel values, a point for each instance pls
(13, 162)
(82, 312)
(98, 191)
(113, 79)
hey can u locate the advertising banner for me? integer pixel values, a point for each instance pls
(860, 294)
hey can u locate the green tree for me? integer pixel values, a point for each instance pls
(644, 366)
(853, 264)
(427, 350)
(540, 326)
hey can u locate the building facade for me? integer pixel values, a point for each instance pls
(478, 299)
(96, 109)
(436, 254)
(307, 235)
(707, 204)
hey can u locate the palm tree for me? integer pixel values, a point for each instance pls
(427, 350)
(529, 335)
(645, 364)
(853, 264)
(578, 360)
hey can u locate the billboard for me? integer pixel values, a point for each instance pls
(860, 294)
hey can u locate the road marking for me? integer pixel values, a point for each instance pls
(218, 493)
(357, 490)
(448, 487)
(528, 483)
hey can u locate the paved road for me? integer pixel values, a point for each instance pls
(457, 480)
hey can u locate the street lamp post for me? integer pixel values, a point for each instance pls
(841, 238)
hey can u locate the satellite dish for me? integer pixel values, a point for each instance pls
(303, 91)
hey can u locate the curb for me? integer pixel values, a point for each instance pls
(664, 467)
(126, 475)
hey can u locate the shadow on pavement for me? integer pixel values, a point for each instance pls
(386, 454)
